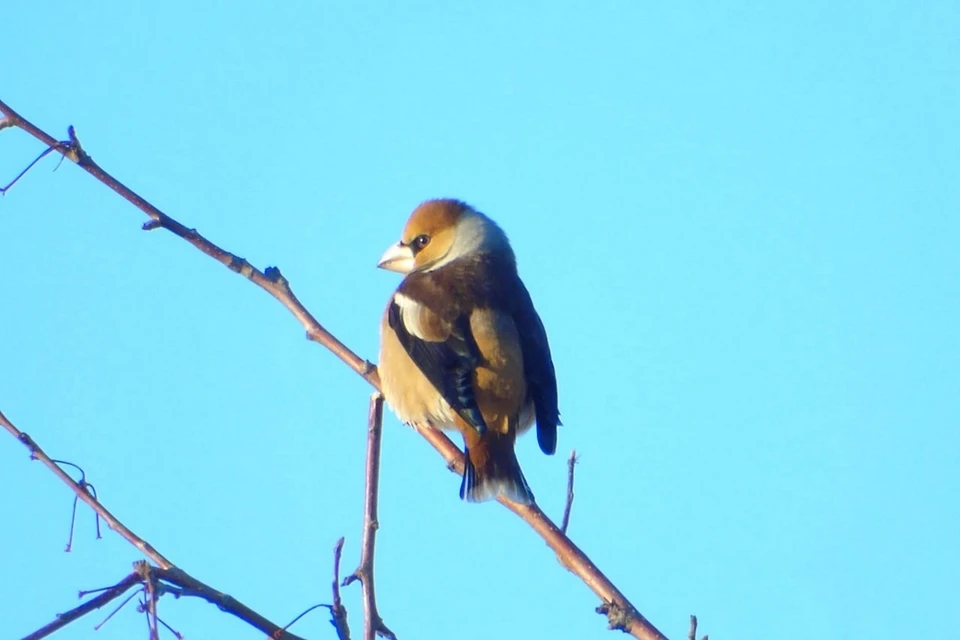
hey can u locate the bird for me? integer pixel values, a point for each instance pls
(462, 346)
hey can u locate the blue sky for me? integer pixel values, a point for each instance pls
(739, 224)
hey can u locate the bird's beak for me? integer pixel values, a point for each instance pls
(398, 257)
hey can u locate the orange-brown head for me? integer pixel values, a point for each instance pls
(439, 232)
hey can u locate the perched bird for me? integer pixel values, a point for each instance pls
(461, 346)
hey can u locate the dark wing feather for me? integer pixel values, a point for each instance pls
(448, 365)
(538, 369)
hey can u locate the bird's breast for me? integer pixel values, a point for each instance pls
(499, 386)
(406, 389)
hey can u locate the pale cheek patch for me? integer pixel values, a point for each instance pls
(471, 234)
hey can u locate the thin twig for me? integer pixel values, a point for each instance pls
(276, 285)
(37, 453)
(171, 629)
(303, 613)
(166, 570)
(373, 625)
(108, 594)
(338, 612)
(43, 154)
(571, 463)
(116, 609)
(73, 511)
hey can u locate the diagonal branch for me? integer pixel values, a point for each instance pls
(166, 569)
(270, 280)
(63, 619)
(38, 454)
(619, 610)
(373, 625)
(190, 586)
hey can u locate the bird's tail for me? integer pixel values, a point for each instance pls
(491, 468)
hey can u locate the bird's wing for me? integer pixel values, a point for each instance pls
(537, 368)
(444, 351)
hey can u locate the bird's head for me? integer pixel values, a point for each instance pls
(439, 232)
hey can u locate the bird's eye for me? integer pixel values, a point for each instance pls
(420, 242)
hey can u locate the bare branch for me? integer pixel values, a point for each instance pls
(166, 570)
(37, 454)
(270, 280)
(109, 594)
(338, 612)
(571, 463)
(620, 612)
(373, 625)
(190, 586)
